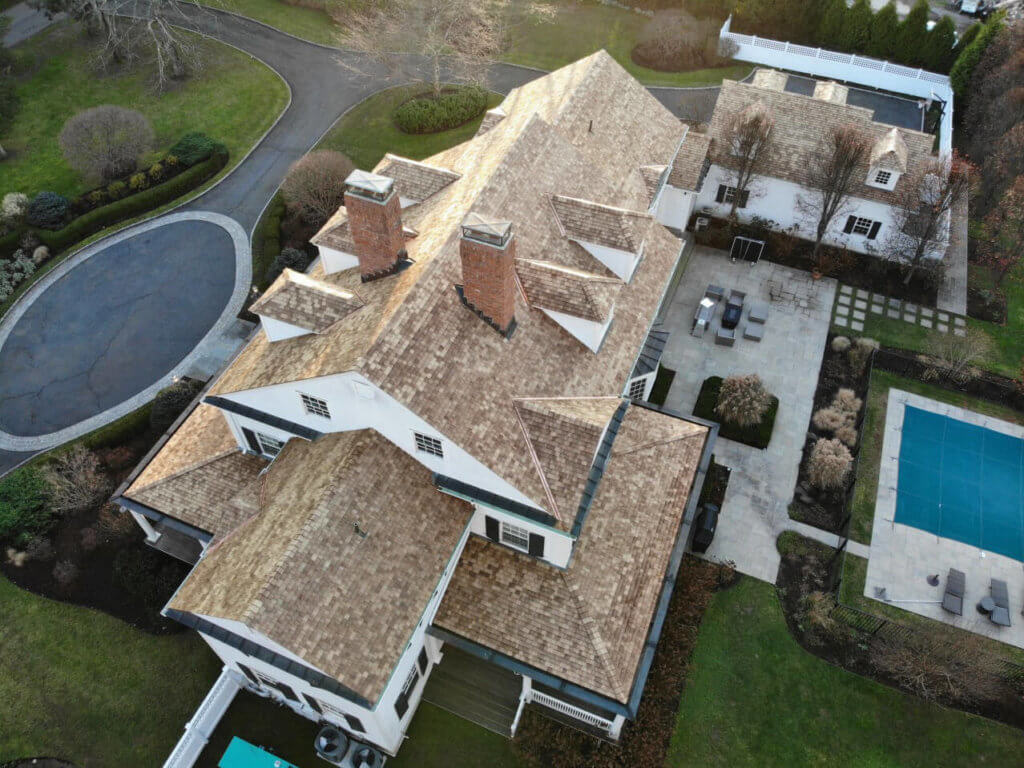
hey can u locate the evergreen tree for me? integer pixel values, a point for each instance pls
(857, 28)
(970, 55)
(912, 35)
(884, 29)
(938, 50)
(832, 22)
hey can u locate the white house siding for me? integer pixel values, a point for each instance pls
(587, 332)
(557, 544)
(674, 207)
(336, 261)
(776, 200)
(278, 330)
(622, 263)
(382, 725)
(237, 422)
(356, 403)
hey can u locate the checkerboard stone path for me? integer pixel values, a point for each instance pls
(854, 304)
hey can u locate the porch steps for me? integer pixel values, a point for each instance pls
(475, 690)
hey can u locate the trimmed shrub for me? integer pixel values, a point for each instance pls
(105, 142)
(138, 182)
(47, 210)
(970, 54)
(757, 435)
(156, 172)
(171, 401)
(100, 218)
(193, 148)
(97, 197)
(117, 189)
(23, 509)
(452, 108)
(14, 272)
(13, 209)
(289, 258)
(829, 464)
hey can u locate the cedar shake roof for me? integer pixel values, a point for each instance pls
(588, 624)
(688, 165)
(563, 289)
(890, 152)
(651, 174)
(413, 180)
(200, 476)
(830, 90)
(601, 224)
(301, 573)
(491, 118)
(415, 339)
(301, 301)
(801, 124)
(335, 233)
(563, 434)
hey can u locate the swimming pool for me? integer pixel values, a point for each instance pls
(961, 481)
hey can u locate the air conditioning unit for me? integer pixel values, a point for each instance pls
(337, 748)
(702, 222)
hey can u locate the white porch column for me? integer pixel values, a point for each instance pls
(146, 526)
(616, 730)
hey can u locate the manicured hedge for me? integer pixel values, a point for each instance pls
(757, 436)
(23, 508)
(430, 114)
(100, 218)
(268, 241)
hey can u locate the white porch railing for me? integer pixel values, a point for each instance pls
(571, 711)
(204, 721)
(862, 70)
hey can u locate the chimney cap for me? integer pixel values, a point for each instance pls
(486, 229)
(369, 184)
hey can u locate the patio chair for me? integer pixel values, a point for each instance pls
(956, 585)
(714, 292)
(758, 312)
(725, 337)
(753, 332)
(1001, 597)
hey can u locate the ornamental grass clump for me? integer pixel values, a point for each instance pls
(840, 418)
(841, 344)
(829, 464)
(743, 400)
(860, 353)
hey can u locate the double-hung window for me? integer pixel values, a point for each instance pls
(428, 444)
(637, 387)
(315, 406)
(269, 446)
(858, 225)
(727, 194)
(515, 536)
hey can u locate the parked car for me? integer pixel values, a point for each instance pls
(704, 527)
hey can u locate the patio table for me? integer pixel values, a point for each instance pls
(987, 604)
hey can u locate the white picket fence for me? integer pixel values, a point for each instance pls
(572, 711)
(204, 721)
(850, 68)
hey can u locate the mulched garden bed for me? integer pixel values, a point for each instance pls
(984, 386)
(986, 305)
(644, 742)
(38, 762)
(757, 435)
(804, 587)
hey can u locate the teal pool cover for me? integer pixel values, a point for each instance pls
(962, 482)
(242, 754)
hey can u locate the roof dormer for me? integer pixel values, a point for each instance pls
(415, 181)
(613, 236)
(581, 302)
(888, 161)
(297, 305)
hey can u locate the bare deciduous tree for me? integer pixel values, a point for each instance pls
(76, 480)
(923, 206)
(747, 143)
(954, 357)
(105, 142)
(458, 38)
(315, 184)
(832, 172)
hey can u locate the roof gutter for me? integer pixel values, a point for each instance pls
(159, 517)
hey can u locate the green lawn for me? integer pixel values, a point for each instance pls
(755, 698)
(82, 685)
(367, 131)
(866, 488)
(234, 100)
(576, 29)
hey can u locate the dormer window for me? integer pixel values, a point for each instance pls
(883, 177)
(315, 406)
(428, 444)
(515, 536)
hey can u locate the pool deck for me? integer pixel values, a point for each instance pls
(902, 557)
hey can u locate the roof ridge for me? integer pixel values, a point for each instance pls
(185, 470)
(572, 271)
(597, 641)
(653, 443)
(536, 461)
(422, 164)
(585, 201)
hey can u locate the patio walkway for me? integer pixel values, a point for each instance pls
(854, 304)
(755, 510)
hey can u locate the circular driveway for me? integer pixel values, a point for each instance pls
(112, 325)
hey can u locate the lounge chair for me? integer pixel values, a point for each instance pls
(956, 585)
(1001, 597)
(753, 331)
(758, 312)
(725, 337)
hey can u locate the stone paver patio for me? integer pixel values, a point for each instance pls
(762, 482)
(854, 304)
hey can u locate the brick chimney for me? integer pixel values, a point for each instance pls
(375, 221)
(488, 253)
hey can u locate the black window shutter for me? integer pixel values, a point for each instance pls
(720, 197)
(536, 545)
(412, 683)
(873, 233)
(249, 673)
(287, 691)
(850, 221)
(250, 438)
(491, 526)
(313, 704)
(355, 723)
(401, 705)
(421, 661)
(744, 196)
